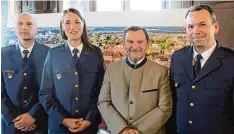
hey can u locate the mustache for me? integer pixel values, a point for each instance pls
(135, 50)
(28, 39)
(24, 32)
(197, 36)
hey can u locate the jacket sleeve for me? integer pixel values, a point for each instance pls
(113, 119)
(37, 110)
(8, 109)
(47, 94)
(93, 114)
(155, 119)
(171, 124)
(233, 100)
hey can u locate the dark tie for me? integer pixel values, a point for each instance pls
(25, 59)
(197, 65)
(75, 57)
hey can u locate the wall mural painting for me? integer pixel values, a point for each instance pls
(164, 41)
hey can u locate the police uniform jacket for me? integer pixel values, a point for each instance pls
(68, 91)
(205, 104)
(20, 85)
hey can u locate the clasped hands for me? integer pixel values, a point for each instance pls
(76, 125)
(129, 131)
(24, 122)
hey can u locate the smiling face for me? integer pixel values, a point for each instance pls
(72, 25)
(135, 45)
(25, 28)
(200, 29)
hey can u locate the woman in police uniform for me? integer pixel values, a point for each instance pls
(71, 79)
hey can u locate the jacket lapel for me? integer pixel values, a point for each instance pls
(16, 56)
(83, 56)
(33, 56)
(211, 64)
(188, 62)
(66, 55)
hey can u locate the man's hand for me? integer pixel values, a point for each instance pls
(129, 131)
(72, 123)
(124, 131)
(23, 121)
(82, 125)
(134, 131)
(29, 128)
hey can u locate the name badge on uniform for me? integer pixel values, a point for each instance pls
(59, 76)
(177, 84)
(10, 73)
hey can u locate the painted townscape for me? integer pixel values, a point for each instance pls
(164, 41)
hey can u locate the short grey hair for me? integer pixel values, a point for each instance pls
(25, 13)
(202, 7)
(136, 28)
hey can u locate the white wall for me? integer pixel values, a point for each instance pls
(166, 17)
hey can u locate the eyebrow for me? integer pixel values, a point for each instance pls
(135, 40)
(129, 40)
(25, 22)
(72, 20)
(197, 23)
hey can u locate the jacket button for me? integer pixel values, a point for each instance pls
(190, 122)
(76, 73)
(191, 104)
(193, 86)
(130, 118)
(76, 98)
(25, 88)
(76, 111)
(25, 74)
(76, 86)
(131, 102)
(25, 101)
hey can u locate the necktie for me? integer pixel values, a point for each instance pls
(75, 57)
(197, 65)
(25, 59)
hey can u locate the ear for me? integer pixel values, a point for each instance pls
(122, 44)
(216, 26)
(62, 26)
(185, 30)
(148, 44)
(16, 31)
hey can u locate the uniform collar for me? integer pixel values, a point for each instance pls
(80, 47)
(206, 54)
(22, 49)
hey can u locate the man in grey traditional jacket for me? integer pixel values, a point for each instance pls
(135, 97)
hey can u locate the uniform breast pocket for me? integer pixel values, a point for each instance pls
(216, 92)
(9, 74)
(179, 80)
(180, 89)
(60, 74)
(216, 85)
(91, 72)
(64, 81)
(90, 76)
